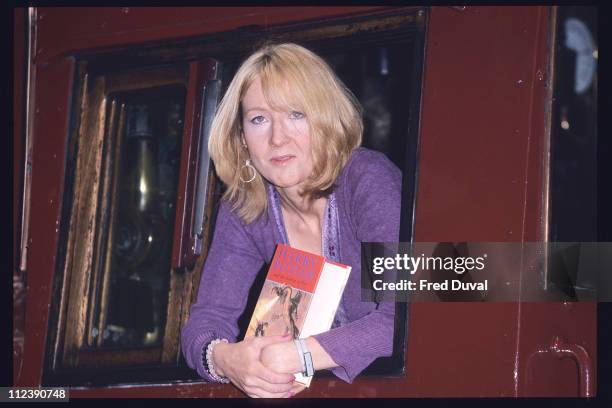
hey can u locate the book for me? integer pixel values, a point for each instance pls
(300, 296)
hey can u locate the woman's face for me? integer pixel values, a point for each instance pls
(278, 142)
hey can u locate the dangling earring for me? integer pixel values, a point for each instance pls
(247, 164)
(249, 168)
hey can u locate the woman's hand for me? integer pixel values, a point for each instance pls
(281, 357)
(241, 363)
(296, 389)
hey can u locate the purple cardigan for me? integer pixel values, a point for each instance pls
(368, 194)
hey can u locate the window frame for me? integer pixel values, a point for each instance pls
(225, 47)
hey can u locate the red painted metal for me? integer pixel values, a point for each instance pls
(53, 92)
(538, 322)
(474, 178)
(85, 28)
(182, 252)
(544, 374)
(480, 179)
(476, 124)
(585, 364)
(19, 89)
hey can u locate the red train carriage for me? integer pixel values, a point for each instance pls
(115, 196)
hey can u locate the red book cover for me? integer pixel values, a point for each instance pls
(291, 281)
(300, 296)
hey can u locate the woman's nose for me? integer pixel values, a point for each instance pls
(279, 132)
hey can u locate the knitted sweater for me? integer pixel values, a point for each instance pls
(368, 194)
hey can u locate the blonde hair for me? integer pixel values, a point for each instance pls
(334, 117)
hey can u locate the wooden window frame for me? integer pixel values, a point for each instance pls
(83, 283)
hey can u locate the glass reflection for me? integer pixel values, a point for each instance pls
(381, 78)
(142, 230)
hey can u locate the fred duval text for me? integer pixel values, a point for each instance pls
(425, 285)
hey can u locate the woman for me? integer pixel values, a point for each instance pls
(285, 141)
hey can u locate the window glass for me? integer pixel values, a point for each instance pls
(574, 127)
(141, 235)
(573, 153)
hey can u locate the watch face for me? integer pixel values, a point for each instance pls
(579, 39)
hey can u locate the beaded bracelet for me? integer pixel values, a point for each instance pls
(208, 361)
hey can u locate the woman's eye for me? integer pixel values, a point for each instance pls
(296, 115)
(258, 120)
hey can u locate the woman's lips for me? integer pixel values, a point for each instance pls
(281, 160)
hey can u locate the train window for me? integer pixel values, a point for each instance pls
(574, 127)
(573, 145)
(384, 75)
(143, 197)
(123, 291)
(143, 193)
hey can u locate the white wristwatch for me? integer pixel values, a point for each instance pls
(305, 358)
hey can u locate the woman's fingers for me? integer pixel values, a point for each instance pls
(297, 388)
(259, 380)
(275, 378)
(269, 386)
(264, 341)
(243, 367)
(265, 391)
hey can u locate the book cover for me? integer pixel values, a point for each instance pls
(300, 296)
